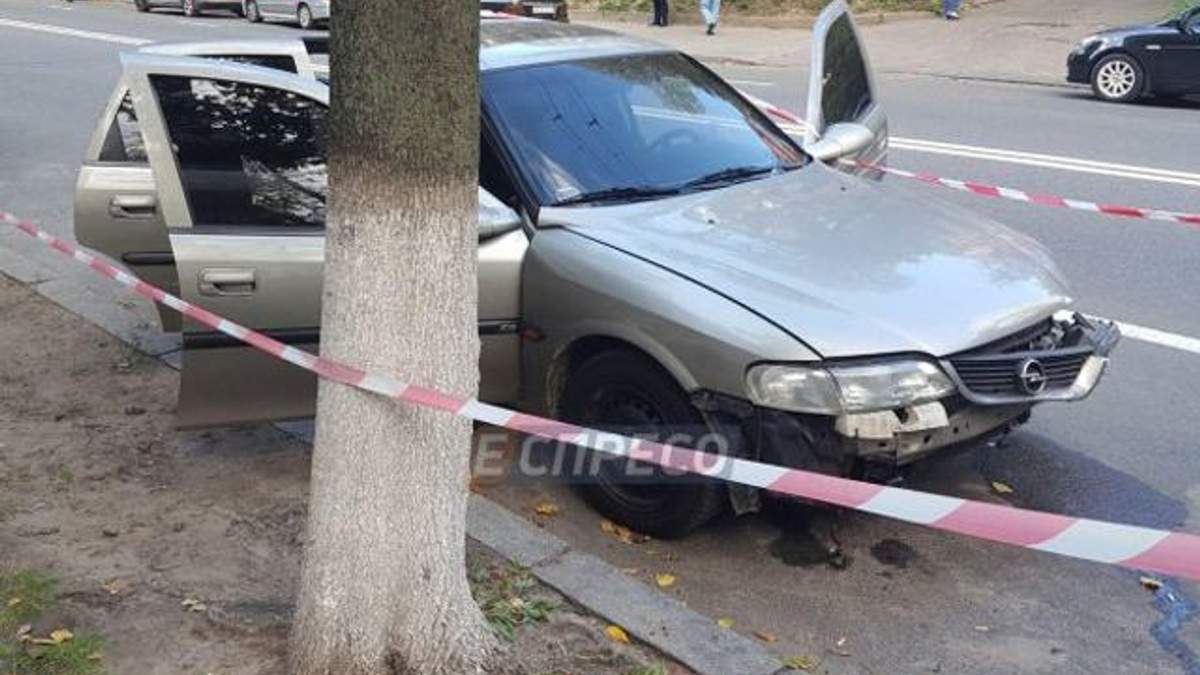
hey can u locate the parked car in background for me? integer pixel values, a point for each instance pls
(555, 10)
(189, 7)
(1125, 64)
(307, 14)
(655, 256)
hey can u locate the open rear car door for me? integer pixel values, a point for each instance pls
(239, 178)
(847, 125)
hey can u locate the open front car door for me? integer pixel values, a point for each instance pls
(847, 124)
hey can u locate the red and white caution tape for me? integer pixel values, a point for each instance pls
(997, 192)
(793, 123)
(1161, 551)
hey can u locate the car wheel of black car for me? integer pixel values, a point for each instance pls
(626, 392)
(189, 8)
(141, 5)
(305, 16)
(252, 13)
(1118, 78)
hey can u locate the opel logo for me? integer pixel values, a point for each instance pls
(1032, 376)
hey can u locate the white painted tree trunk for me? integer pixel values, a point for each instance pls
(384, 586)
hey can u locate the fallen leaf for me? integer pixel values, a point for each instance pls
(1151, 584)
(61, 635)
(664, 580)
(765, 636)
(622, 533)
(725, 622)
(546, 509)
(632, 571)
(23, 632)
(13, 602)
(95, 656)
(617, 634)
(982, 629)
(1002, 488)
(841, 642)
(117, 586)
(799, 663)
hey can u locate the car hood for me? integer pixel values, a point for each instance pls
(1147, 29)
(848, 266)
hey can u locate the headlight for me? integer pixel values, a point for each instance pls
(840, 389)
(1086, 44)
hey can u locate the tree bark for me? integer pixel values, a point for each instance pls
(384, 586)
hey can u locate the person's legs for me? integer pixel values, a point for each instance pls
(711, 11)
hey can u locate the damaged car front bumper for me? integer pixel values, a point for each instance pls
(994, 388)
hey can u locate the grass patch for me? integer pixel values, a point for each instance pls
(25, 598)
(505, 595)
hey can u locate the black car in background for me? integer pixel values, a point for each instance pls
(1125, 64)
(554, 10)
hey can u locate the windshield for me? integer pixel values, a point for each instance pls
(630, 127)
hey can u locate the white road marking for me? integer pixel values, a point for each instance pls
(1160, 337)
(750, 83)
(1048, 161)
(74, 32)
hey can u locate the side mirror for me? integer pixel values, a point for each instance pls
(495, 217)
(841, 140)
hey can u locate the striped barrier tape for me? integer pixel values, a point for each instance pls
(1161, 551)
(793, 123)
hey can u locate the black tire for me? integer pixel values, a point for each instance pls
(620, 389)
(190, 8)
(141, 5)
(251, 11)
(240, 10)
(1118, 78)
(304, 16)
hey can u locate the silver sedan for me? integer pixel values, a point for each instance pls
(655, 256)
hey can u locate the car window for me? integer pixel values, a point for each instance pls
(846, 92)
(123, 142)
(649, 121)
(247, 155)
(284, 62)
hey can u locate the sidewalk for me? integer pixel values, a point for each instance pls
(1016, 40)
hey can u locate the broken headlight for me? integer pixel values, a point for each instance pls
(838, 389)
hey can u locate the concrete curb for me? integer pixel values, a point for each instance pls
(660, 621)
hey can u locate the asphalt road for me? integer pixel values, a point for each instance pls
(911, 600)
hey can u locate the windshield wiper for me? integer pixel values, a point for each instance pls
(727, 176)
(624, 193)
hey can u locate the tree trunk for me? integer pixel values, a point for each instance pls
(384, 586)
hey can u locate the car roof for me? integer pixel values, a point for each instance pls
(511, 42)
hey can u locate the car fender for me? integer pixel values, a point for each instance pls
(579, 291)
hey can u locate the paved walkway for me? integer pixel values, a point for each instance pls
(1016, 40)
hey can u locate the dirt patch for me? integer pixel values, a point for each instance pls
(181, 550)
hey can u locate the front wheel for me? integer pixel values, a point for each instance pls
(305, 16)
(1118, 78)
(141, 5)
(252, 13)
(626, 392)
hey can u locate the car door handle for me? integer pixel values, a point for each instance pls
(132, 206)
(227, 281)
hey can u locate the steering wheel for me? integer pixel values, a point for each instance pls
(672, 136)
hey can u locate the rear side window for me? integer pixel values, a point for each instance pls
(123, 142)
(847, 90)
(247, 155)
(284, 62)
